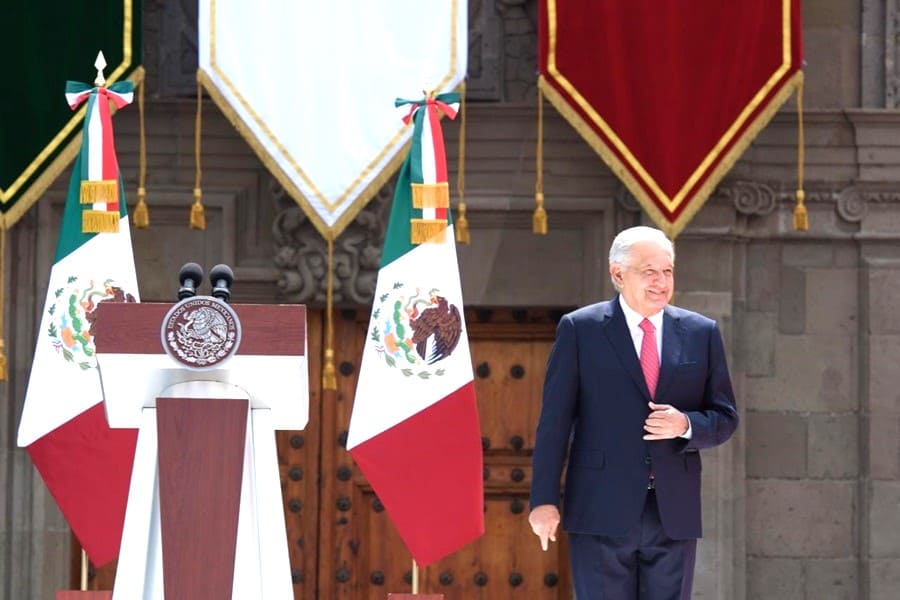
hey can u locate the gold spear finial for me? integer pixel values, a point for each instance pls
(100, 64)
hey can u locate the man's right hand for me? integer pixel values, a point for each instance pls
(544, 520)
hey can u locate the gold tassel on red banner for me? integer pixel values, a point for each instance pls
(329, 375)
(539, 219)
(801, 217)
(3, 368)
(461, 227)
(141, 214)
(198, 214)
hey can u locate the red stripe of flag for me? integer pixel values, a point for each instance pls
(110, 164)
(87, 468)
(427, 472)
(437, 138)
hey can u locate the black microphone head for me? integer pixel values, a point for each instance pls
(221, 273)
(221, 277)
(189, 276)
(192, 271)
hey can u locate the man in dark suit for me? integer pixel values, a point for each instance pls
(634, 389)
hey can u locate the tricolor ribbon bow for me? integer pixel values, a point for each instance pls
(428, 166)
(99, 167)
(446, 103)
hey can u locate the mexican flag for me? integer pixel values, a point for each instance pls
(85, 464)
(414, 428)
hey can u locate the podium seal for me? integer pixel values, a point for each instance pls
(201, 332)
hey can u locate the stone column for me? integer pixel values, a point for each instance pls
(35, 540)
(879, 506)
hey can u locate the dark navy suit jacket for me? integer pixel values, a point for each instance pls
(594, 408)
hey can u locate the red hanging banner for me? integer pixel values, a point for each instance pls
(669, 92)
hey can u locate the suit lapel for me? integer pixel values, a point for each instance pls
(616, 330)
(671, 351)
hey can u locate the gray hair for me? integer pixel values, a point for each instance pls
(620, 251)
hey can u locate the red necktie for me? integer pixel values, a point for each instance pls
(649, 356)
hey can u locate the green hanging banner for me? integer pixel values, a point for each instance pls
(44, 44)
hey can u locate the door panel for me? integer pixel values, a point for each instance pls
(298, 463)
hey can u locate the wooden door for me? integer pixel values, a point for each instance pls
(341, 542)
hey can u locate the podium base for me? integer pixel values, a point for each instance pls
(78, 595)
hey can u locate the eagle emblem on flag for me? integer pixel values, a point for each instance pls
(72, 316)
(413, 330)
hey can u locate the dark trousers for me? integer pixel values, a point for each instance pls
(645, 564)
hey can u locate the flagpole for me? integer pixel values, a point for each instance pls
(99, 81)
(415, 577)
(84, 570)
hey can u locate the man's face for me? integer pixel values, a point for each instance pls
(647, 282)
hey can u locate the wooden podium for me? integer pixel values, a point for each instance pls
(204, 518)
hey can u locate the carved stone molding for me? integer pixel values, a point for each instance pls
(851, 205)
(301, 253)
(812, 197)
(882, 196)
(750, 197)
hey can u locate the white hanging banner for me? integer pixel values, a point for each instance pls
(311, 86)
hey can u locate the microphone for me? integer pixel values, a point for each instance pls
(190, 276)
(221, 277)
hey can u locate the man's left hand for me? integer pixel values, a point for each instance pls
(665, 422)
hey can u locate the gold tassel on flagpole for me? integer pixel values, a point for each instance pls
(198, 215)
(329, 376)
(801, 217)
(539, 220)
(3, 368)
(100, 191)
(99, 221)
(141, 214)
(462, 223)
